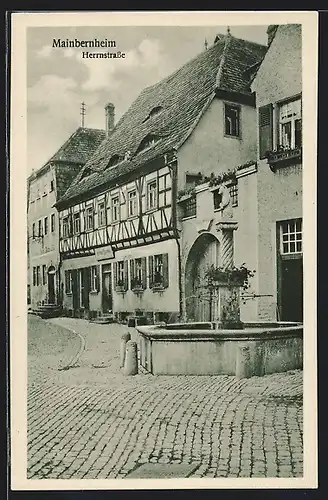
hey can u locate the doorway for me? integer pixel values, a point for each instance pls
(290, 271)
(51, 285)
(203, 253)
(107, 300)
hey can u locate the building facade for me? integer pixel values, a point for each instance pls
(44, 188)
(125, 236)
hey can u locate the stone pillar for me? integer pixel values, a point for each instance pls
(131, 359)
(228, 295)
(125, 337)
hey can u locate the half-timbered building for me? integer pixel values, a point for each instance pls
(120, 222)
(44, 187)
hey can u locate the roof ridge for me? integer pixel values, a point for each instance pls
(222, 59)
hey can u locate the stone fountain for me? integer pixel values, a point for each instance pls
(225, 346)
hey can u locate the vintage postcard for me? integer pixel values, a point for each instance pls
(162, 271)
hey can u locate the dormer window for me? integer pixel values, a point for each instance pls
(147, 142)
(86, 172)
(114, 160)
(154, 112)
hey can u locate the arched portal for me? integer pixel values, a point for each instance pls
(203, 253)
(51, 285)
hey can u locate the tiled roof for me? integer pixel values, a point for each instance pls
(82, 143)
(183, 96)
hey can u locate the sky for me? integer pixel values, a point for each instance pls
(59, 79)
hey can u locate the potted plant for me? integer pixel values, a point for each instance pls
(234, 276)
(136, 284)
(120, 286)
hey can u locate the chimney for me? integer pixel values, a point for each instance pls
(110, 117)
(271, 31)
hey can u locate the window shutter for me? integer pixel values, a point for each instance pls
(265, 130)
(165, 270)
(66, 281)
(131, 272)
(144, 272)
(126, 276)
(115, 275)
(88, 277)
(151, 270)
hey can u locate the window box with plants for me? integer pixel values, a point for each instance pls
(120, 286)
(235, 276)
(158, 283)
(137, 285)
(283, 156)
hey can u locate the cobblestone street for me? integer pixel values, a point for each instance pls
(91, 421)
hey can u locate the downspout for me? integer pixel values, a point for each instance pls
(173, 165)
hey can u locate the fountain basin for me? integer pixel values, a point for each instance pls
(200, 349)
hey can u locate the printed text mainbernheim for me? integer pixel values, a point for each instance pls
(76, 43)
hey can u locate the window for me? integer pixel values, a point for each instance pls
(291, 237)
(46, 225)
(101, 214)
(234, 195)
(164, 190)
(33, 230)
(232, 120)
(51, 186)
(189, 207)
(44, 275)
(121, 275)
(290, 125)
(89, 218)
(39, 228)
(38, 277)
(138, 273)
(77, 223)
(147, 142)
(155, 111)
(115, 209)
(158, 271)
(115, 159)
(68, 282)
(217, 198)
(152, 195)
(193, 179)
(65, 227)
(34, 276)
(52, 223)
(132, 203)
(94, 278)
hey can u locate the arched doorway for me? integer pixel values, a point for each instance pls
(203, 253)
(51, 285)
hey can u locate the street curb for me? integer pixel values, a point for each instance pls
(77, 356)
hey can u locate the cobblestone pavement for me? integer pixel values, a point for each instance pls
(90, 421)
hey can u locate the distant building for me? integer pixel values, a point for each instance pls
(45, 186)
(129, 240)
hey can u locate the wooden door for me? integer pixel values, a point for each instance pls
(107, 301)
(291, 290)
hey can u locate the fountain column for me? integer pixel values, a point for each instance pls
(228, 294)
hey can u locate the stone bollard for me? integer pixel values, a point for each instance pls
(243, 362)
(131, 359)
(125, 337)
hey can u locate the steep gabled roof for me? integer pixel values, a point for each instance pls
(71, 157)
(183, 97)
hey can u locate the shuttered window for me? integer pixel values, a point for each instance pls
(158, 271)
(265, 130)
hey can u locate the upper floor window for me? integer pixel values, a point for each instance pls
(39, 228)
(154, 112)
(77, 223)
(114, 160)
(132, 203)
(115, 208)
(51, 186)
(290, 125)
(152, 195)
(291, 237)
(233, 191)
(189, 207)
(232, 120)
(101, 214)
(46, 225)
(33, 230)
(89, 218)
(52, 223)
(65, 227)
